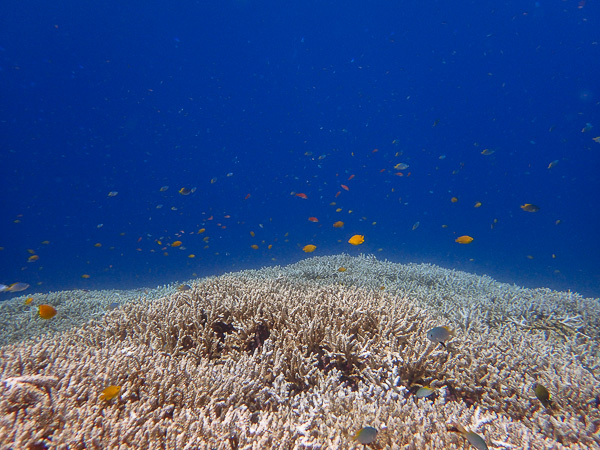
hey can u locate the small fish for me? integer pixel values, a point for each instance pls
(596, 139)
(313, 219)
(464, 239)
(301, 195)
(338, 224)
(553, 164)
(309, 248)
(213, 180)
(346, 188)
(201, 230)
(454, 199)
(487, 152)
(184, 287)
(33, 258)
(254, 246)
(113, 193)
(357, 239)
(473, 438)
(164, 188)
(15, 287)
(28, 300)
(186, 191)
(176, 244)
(366, 435)
(530, 208)
(416, 225)
(401, 166)
(477, 205)
(110, 392)
(46, 311)
(342, 269)
(588, 127)
(439, 335)
(85, 276)
(542, 395)
(424, 391)
(98, 245)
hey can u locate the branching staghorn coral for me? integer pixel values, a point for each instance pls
(270, 359)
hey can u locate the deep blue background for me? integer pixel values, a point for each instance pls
(107, 96)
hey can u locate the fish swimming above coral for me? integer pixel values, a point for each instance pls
(439, 335)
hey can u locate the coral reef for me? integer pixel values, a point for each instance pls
(303, 356)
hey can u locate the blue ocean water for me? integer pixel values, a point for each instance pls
(253, 102)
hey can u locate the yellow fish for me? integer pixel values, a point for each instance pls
(338, 224)
(176, 244)
(254, 246)
(357, 239)
(110, 392)
(464, 239)
(487, 152)
(477, 205)
(309, 248)
(342, 269)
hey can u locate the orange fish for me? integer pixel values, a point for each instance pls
(337, 194)
(454, 199)
(350, 177)
(301, 195)
(399, 174)
(46, 311)
(338, 224)
(28, 300)
(247, 197)
(313, 219)
(464, 239)
(309, 248)
(357, 239)
(110, 392)
(254, 246)
(345, 187)
(176, 244)
(33, 258)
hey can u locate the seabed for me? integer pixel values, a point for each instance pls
(302, 357)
